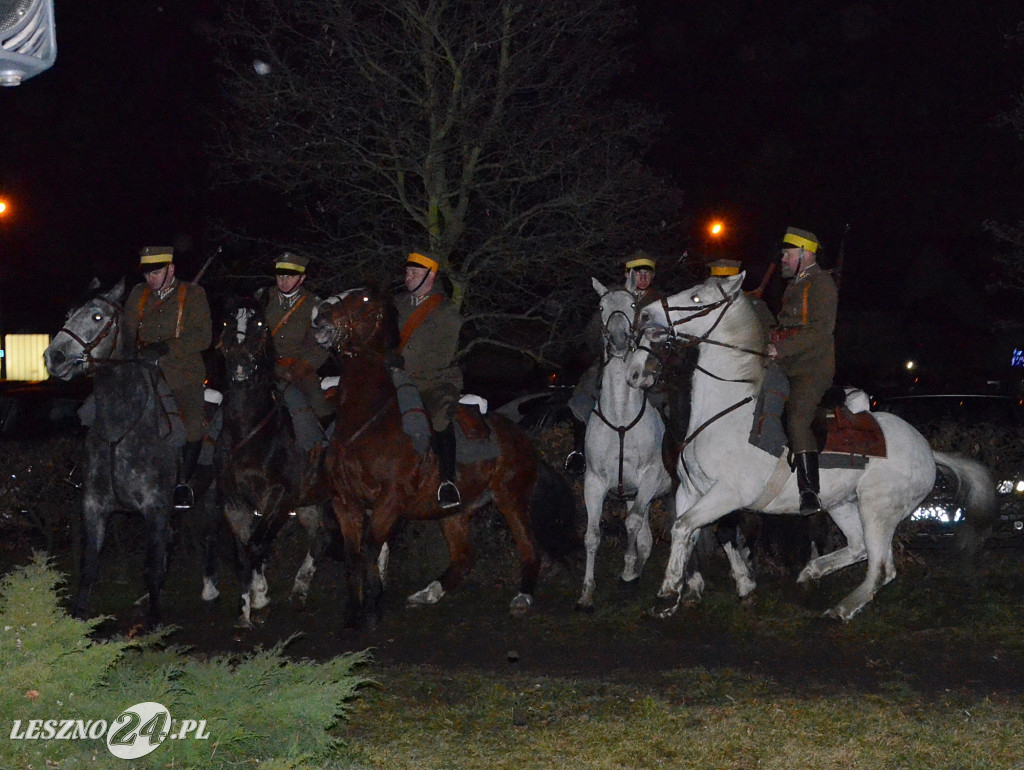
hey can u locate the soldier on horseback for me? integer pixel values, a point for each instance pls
(429, 325)
(803, 346)
(170, 321)
(288, 312)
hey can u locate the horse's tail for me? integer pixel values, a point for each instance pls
(976, 493)
(553, 513)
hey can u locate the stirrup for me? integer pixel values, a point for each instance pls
(448, 495)
(810, 503)
(183, 496)
(576, 463)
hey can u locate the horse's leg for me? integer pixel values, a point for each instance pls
(715, 503)
(311, 519)
(847, 517)
(639, 540)
(94, 520)
(239, 518)
(351, 525)
(594, 490)
(513, 500)
(459, 536)
(879, 516)
(158, 525)
(740, 567)
(269, 525)
(211, 546)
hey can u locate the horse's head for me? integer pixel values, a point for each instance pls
(715, 311)
(243, 341)
(354, 322)
(90, 334)
(618, 310)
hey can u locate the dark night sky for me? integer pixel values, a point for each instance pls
(805, 114)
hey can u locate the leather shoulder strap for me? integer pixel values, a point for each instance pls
(413, 322)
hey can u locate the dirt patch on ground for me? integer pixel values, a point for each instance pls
(930, 630)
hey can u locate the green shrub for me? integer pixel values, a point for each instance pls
(260, 710)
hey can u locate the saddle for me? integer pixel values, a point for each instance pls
(474, 441)
(853, 433)
(851, 437)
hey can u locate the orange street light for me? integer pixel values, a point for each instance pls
(716, 228)
(3, 207)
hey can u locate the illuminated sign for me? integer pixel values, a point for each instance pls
(1017, 358)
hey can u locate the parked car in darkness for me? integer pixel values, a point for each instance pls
(986, 427)
(40, 409)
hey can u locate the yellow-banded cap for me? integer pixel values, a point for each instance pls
(153, 257)
(291, 264)
(640, 260)
(418, 259)
(800, 239)
(725, 267)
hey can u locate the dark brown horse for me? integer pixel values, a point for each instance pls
(378, 477)
(263, 476)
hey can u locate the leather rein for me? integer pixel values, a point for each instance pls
(698, 312)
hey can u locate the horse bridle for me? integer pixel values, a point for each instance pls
(88, 347)
(631, 345)
(344, 331)
(699, 311)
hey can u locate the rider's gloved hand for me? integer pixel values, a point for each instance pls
(394, 360)
(152, 352)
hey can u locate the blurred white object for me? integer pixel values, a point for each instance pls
(857, 400)
(261, 67)
(479, 401)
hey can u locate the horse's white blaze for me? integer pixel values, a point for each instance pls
(620, 406)
(723, 472)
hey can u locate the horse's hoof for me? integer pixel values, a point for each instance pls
(629, 586)
(243, 624)
(521, 605)
(432, 594)
(588, 608)
(833, 614)
(664, 607)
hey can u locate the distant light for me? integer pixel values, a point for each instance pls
(3, 207)
(910, 365)
(1020, 486)
(716, 228)
(261, 67)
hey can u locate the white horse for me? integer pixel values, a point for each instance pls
(721, 471)
(623, 444)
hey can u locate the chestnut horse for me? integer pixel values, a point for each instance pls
(378, 477)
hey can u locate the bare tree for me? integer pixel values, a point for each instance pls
(479, 130)
(1011, 236)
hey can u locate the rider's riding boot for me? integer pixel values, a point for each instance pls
(807, 482)
(576, 462)
(183, 495)
(444, 444)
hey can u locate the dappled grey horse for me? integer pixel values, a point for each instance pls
(131, 448)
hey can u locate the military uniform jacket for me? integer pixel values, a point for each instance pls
(290, 323)
(182, 320)
(430, 352)
(803, 338)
